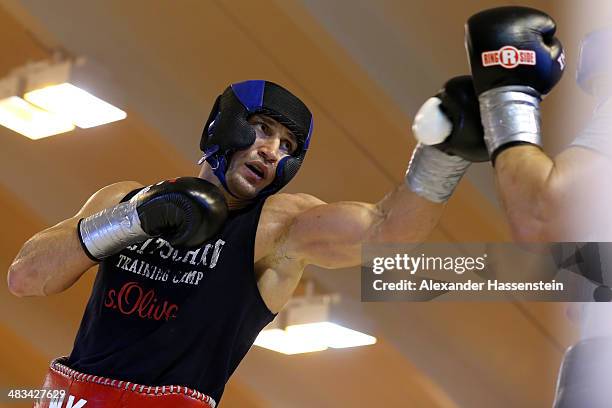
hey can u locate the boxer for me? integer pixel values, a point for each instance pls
(190, 270)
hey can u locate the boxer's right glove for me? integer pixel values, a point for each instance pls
(185, 211)
(515, 59)
(450, 137)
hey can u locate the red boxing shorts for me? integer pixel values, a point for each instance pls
(91, 391)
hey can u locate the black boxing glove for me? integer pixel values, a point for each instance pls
(515, 59)
(450, 137)
(186, 212)
(450, 121)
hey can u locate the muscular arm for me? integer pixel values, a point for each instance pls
(547, 199)
(331, 235)
(52, 260)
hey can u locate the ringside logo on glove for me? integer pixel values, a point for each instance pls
(508, 57)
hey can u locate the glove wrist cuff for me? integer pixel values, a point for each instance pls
(510, 115)
(109, 231)
(433, 174)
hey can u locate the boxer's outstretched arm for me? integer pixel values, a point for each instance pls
(53, 259)
(545, 198)
(331, 235)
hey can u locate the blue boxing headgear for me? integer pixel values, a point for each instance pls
(227, 128)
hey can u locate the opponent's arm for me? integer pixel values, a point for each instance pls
(547, 199)
(53, 259)
(515, 60)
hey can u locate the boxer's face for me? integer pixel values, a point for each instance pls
(253, 169)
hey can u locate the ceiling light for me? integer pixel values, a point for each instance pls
(285, 342)
(81, 107)
(52, 103)
(303, 327)
(26, 119)
(335, 336)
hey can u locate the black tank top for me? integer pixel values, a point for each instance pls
(164, 316)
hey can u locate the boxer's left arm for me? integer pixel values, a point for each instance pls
(331, 235)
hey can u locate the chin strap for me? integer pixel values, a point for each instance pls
(218, 164)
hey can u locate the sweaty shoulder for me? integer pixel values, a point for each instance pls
(278, 212)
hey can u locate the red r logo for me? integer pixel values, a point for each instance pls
(509, 57)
